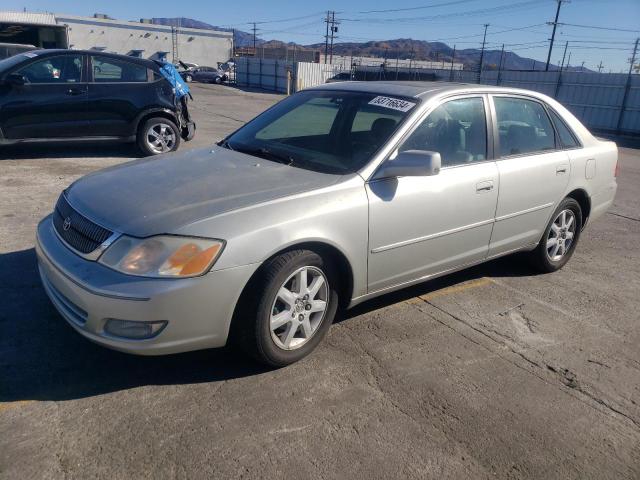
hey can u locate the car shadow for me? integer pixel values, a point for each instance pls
(43, 358)
(36, 151)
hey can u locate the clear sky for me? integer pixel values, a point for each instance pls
(521, 24)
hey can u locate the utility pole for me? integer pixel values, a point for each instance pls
(627, 87)
(600, 67)
(326, 38)
(334, 30)
(484, 41)
(569, 61)
(254, 37)
(500, 65)
(553, 33)
(563, 55)
(453, 56)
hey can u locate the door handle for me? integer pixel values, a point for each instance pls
(484, 186)
(75, 91)
(561, 169)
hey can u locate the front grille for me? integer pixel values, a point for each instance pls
(81, 233)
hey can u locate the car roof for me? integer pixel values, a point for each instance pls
(421, 90)
(57, 51)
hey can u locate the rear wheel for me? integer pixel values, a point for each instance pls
(560, 237)
(289, 308)
(188, 78)
(158, 135)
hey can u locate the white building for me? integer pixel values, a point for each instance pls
(141, 39)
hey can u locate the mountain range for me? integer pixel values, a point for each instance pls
(401, 48)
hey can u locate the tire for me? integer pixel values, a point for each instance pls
(188, 78)
(550, 256)
(263, 309)
(168, 136)
(218, 80)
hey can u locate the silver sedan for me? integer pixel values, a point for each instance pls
(333, 196)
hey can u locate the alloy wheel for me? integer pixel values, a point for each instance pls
(561, 235)
(299, 308)
(160, 138)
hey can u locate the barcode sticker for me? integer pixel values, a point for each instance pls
(393, 103)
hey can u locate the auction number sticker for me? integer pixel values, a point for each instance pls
(393, 103)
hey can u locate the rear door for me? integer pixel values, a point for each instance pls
(118, 92)
(534, 172)
(51, 104)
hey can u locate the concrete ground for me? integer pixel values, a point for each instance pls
(492, 372)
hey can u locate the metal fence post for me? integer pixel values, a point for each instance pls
(260, 73)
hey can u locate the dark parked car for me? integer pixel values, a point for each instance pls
(204, 75)
(74, 94)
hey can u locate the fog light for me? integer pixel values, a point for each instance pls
(133, 330)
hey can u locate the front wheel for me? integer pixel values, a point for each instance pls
(218, 80)
(188, 78)
(560, 237)
(158, 135)
(289, 308)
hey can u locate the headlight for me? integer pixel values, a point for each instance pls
(162, 256)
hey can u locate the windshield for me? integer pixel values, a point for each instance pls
(327, 131)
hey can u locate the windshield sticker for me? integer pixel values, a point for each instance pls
(393, 103)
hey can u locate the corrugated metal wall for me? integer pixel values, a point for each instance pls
(595, 98)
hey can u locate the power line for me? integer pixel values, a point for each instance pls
(613, 29)
(435, 5)
(291, 19)
(484, 11)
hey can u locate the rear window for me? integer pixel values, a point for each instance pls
(524, 126)
(107, 69)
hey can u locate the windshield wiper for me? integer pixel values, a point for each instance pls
(267, 154)
(225, 144)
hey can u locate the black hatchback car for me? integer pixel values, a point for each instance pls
(74, 94)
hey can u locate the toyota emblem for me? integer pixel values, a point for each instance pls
(66, 225)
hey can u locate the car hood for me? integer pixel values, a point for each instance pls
(160, 194)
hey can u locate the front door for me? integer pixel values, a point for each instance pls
(420, 226)
(534, 173)
(51, 104)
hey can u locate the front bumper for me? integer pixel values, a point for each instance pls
(198, 310)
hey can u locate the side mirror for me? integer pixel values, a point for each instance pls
(16, 79)
(411, 163)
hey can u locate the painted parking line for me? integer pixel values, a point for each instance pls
(5, 406)
(462, 287)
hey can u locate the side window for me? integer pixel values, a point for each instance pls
(62, 69)
(523, 126)
(567, 138)
(456, 129)
(107, 69)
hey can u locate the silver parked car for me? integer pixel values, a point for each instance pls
(335, 195)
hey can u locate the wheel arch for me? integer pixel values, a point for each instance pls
(156, 112)
(582, 197)
(322, 248)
